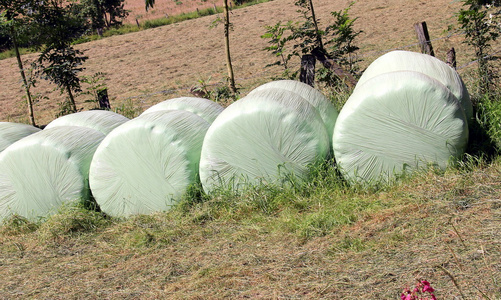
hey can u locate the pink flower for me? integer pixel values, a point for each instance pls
(406, 295)
(427, 287)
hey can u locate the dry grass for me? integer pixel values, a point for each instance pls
(433, 222)
(418, 229)
(162, 63)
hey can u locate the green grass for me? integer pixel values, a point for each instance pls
(323, 239)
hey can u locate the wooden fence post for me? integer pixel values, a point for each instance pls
(307, 74)
(424, 38)
(104, 101)
(451, 58)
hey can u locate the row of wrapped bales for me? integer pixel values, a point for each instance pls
(272, 136)
(408, 111)
(148, 163)
(43, 170)
(12, 132)
(403, 115)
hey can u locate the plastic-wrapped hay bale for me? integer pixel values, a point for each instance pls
(12, 132)
(395, 122)
(327, 111)
(42, 171)
(148, 163)
(418, 62)
(100, 120)
(204, 108)
(267, 137)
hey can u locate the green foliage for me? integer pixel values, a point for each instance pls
(290, 40)
(278, 36)
(149, 4)
(128, 109)
(340, 37)
(102, 13)
(215, 92)
(489, 122)
(61, 66)
(16, 225)
(59, 62)
(94, 85)
(480, 31)
(71, 220)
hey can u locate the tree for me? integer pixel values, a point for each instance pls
(336, 41)
(227, 27)
(229, 66)
(479, 33)
(59, 62)
(102, 13)
(149, 3)
(14, 19)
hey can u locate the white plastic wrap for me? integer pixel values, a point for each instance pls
(148, 163)
(418, 62)
(267, 137)
(42, 171)
(204, 108)
(396, 122)
(100, 120)
(325, 108)
(12, 132)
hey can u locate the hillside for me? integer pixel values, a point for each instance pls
(326, 240)
(161, 63)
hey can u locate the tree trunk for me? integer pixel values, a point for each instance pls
(231, 77)
(72, 99)
(23, 76)
(319, 38)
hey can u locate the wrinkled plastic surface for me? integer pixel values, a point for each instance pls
(326, 109)
(204, 108)
(396, 122)
(12, 132)
(270, 136)
(148, 163)
(412, 61)
(46, 169)
(100, 120)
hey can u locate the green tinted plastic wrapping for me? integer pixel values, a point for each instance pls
(12, 132)
(148, 163)
(418, 62)
(397, 122)
(267, 137)
(326, 109)
(204, 108)
(100, 120)
(42, 171)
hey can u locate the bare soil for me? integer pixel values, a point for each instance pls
(162, 63)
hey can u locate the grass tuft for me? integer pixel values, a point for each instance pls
(17, 225)
(71, 220)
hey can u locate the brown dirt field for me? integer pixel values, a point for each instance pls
(161, 63)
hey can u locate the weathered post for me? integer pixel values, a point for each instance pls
(307, 74)
(424, 38)
(137, 22)
(451, 58)
(104, 101)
